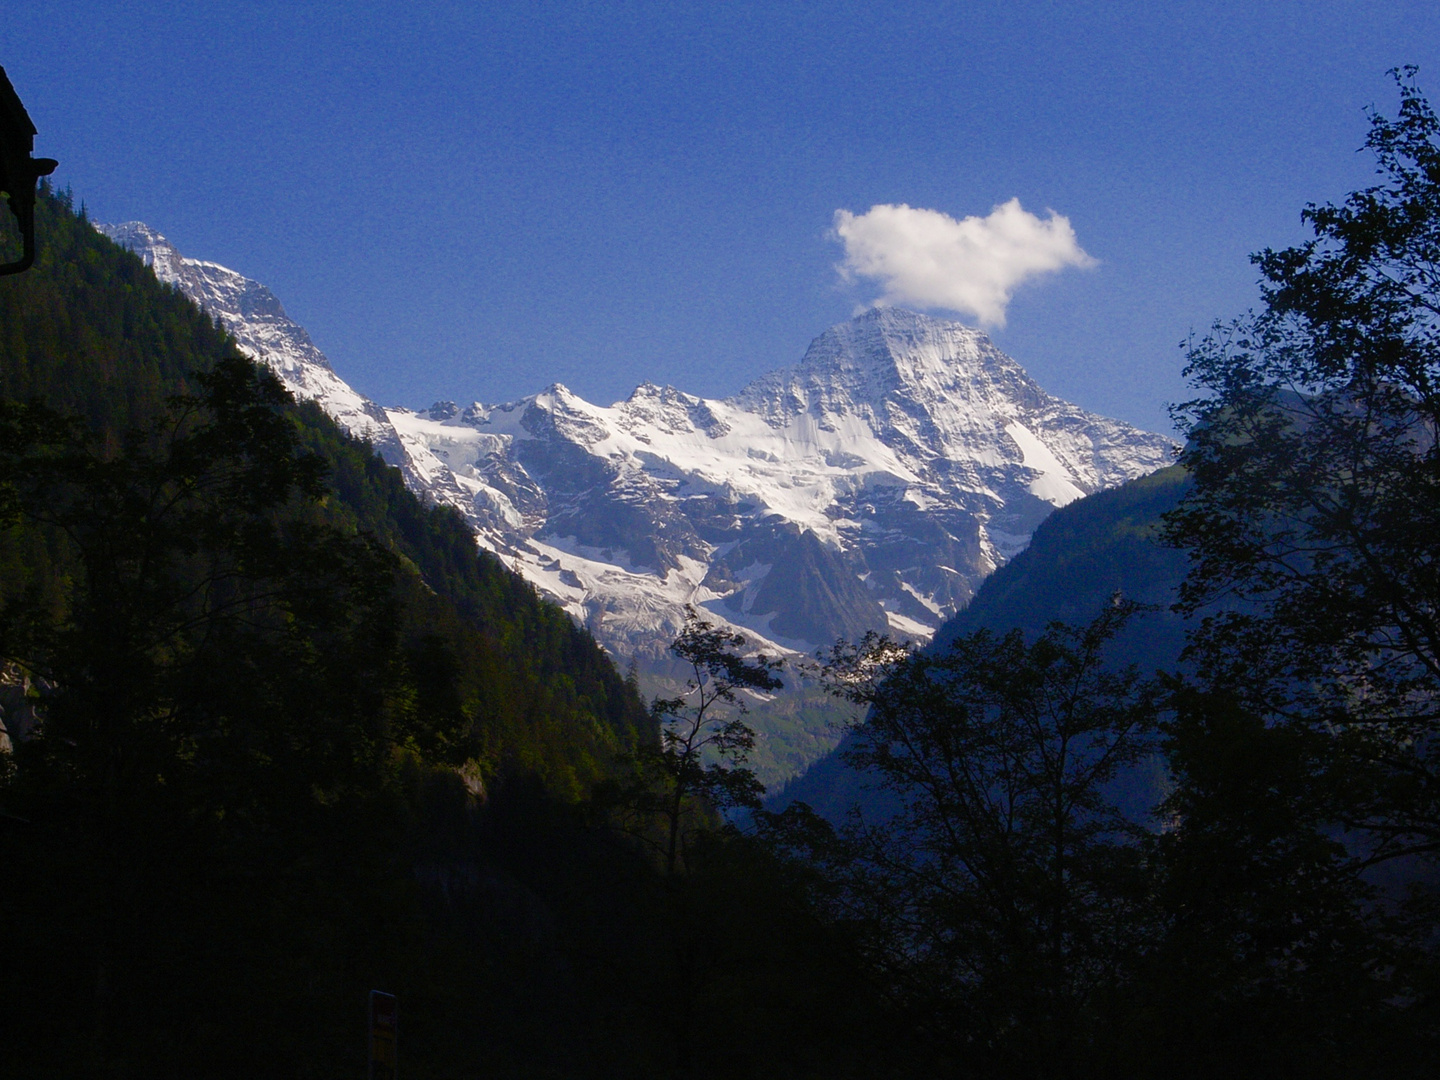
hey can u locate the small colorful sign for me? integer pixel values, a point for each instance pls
(384, 1030)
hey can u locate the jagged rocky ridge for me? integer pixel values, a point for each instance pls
(872, 486)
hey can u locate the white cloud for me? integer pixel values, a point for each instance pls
(928, 259)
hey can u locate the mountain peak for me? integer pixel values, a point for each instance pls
(893, 357)
(905, 344)
(154, 250)
(900, 317)
(131, 234)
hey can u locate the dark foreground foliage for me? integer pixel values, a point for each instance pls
(1273, 910)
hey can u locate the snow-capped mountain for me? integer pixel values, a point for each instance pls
(872, 486)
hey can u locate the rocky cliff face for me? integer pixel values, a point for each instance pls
(871, 486)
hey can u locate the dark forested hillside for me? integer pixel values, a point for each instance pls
(1081, 556)
(258, 697)
(278, 735)
(90, 332)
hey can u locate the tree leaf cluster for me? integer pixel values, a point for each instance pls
(1003, 887)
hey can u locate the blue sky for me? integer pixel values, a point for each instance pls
(472, 201)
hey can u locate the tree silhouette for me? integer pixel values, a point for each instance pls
(698, 769)
(1004, 892)
(1315, 509)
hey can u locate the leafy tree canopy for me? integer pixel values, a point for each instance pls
(1315, 511)
(1007, 883)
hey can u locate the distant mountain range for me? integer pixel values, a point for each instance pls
(872, 486)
